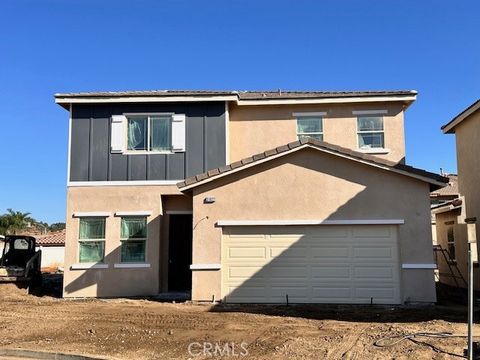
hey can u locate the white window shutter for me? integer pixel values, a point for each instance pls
(118, 133)
(178, 132)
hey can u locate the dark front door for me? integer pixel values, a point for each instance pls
(180, 253)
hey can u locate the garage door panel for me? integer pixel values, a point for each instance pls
(372, 231)
(374, 272)
(287, 272)
(369, 252)
(244, 272)
(298, 252)
(326, 251)
(247, 252)
(331, 272)
(311, 264)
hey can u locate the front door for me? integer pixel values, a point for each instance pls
(180, 253)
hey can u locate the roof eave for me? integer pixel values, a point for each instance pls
(449, 128)
(65, 100)
(434, 184)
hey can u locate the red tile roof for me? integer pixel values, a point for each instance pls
(55, 239)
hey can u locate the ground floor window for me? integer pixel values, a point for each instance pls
(133, 239)
(91, 240)
(451, 243)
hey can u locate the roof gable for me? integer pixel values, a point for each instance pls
(436, 181)
(449, 128)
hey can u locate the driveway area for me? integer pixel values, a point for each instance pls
(145, 329)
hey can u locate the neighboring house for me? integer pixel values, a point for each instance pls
(442, 196)
(450, 218)
(53, 250)
(165, 194)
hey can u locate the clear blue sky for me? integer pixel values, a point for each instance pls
(81, 45)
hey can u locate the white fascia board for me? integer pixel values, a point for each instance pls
(87, 266)
(91, 214)
(419, 266)
(131, 266)
(369, 112)
(313, 113)
(269, 158)
(445, 209)
(460, 118)
(142, 99)
(133, 213)
(309, 222)
(205, 266)
(339, 100)
(123, 183)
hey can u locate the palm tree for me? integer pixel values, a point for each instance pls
(14, 221)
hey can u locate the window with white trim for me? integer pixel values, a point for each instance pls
(310, 126)
(451, 243)
(370, 132)
(133, 239)
(149, 133)
(91, 240)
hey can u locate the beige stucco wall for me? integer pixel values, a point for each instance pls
(254, 129)
(313, 185)
(467, 135)
(444, 221)
(121, 282)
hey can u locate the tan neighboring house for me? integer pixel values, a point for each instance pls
(450, 217)
(442, 196)
(246, 197)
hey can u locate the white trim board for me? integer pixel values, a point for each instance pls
(419, 266)
(318, 113)
(133, 213)
(369, 112)
(86, 266)
(309, 222)
(91, 214)
(123, 183)
(205, 266)
(131, 266)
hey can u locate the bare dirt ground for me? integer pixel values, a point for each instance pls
(145, 329)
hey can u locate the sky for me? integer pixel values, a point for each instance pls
(54, 46)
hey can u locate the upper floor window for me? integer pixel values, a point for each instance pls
(370, 132)
(91, 240)
(310, 126)
(149, 133)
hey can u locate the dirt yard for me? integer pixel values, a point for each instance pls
(142, 329)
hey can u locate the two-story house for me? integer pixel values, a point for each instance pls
(452, 232)
(263, 197)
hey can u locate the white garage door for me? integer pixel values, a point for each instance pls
(311, 264)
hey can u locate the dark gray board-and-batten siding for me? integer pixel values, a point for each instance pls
(92, 160)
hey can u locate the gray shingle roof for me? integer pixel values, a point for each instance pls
(355, 155)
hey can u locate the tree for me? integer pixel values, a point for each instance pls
(14, 221)
(57, 226)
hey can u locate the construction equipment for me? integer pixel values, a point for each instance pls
(20, 262)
